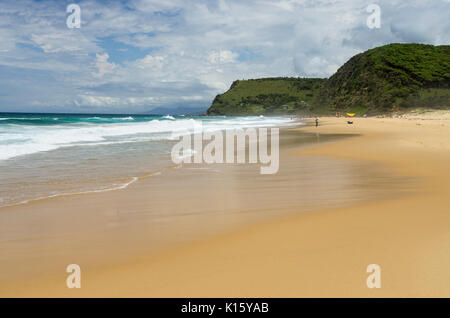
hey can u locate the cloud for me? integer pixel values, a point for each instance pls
(103, 66)
(55, 43)
(150, 62)
(186, 51)
(97, 101)
(102, 101)
(226, 56)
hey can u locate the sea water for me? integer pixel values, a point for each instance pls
(44, 155)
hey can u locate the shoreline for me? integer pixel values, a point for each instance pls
(125, 181)
(124, 210)
(319, 254)
(73, 155)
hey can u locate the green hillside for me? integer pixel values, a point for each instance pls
(391, 77)
(267, 96)
(388, 78)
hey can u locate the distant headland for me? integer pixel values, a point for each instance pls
(390, 78)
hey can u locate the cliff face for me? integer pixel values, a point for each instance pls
(391, 77)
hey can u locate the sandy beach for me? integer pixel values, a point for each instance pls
(402, 224)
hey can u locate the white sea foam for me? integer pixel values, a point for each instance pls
(18, 140)
(21, 118)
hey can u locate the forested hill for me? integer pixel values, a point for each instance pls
(384, 79)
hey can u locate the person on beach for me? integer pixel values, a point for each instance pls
(317, 121)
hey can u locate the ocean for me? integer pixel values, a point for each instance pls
(44, 155)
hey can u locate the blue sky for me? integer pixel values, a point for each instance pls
(133, 56)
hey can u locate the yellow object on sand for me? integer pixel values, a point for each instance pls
(350, 114)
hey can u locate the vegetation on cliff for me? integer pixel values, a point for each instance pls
(391, 77)
(388, 78)
(268, 96)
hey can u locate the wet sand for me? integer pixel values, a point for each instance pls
(380, 197)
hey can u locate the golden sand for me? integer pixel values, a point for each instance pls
(319, 254)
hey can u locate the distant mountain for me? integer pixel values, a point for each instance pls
(177, 111)
(384, 79)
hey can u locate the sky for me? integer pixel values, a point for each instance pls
(134, 56)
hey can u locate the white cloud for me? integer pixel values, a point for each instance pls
(150, 62)
(192, 98)
(186, 51)
(105, 101)
(103, 66)
(97, 100)
(218, 57)
(55, 43)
